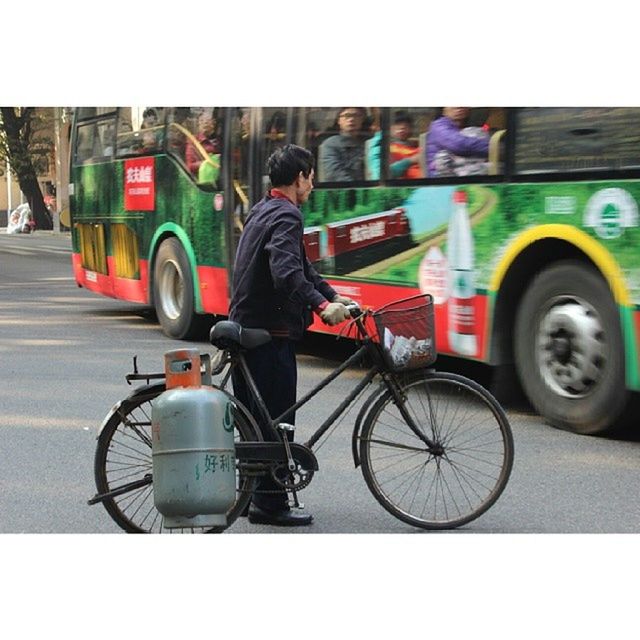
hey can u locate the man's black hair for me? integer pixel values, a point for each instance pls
(402, 116)
(285, 164)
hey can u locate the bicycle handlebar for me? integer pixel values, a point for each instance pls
(354, 310)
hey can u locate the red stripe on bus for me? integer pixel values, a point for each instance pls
(129, 289)
(132, 290)
(214, 290)
(97, 282)
(377, 295)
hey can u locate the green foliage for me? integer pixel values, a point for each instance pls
(35, 132)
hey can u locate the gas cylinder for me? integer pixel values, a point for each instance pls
(194, 466)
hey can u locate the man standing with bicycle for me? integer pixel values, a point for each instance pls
(276, 288)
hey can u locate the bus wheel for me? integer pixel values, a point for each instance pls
(173, 291)
(569, 349)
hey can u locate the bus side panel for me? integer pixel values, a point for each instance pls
(96, 282)
(178, 201)
(375, 295)
(386, 243)
(213, 289)
(593, 221)
(633, 356)
(130, 288)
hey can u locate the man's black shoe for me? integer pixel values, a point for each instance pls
(281, 518)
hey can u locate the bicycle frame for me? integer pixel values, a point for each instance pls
(400, 407)
(368, 347)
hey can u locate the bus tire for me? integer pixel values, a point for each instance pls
(173, 292)
(569, 349)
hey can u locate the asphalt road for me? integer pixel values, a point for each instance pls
(64, 353)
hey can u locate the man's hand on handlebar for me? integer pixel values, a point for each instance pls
(343, 300)
(334, 313)
(352, 306)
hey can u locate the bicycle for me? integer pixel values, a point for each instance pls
(436, 449)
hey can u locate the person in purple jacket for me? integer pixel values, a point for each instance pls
(446, 139)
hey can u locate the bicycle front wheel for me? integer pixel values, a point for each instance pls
(458, 479)
(123, 457)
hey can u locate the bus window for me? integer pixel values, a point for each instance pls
(178, 127)
(408, 128)
(240, 141)
(275, 132)
(194, 137)
(340, 137)
(553, 139)
(464, 141)
(276, 135)
(311, 130)
(94, 141)
(82, 113)
(140, 130)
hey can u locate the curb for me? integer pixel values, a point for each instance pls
(38, 232)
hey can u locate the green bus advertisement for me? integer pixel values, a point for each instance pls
(526, 233)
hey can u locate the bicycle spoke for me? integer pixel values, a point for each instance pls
(451, 484)
(397, 445)
(396, 462)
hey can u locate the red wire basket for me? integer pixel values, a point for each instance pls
(406, 332)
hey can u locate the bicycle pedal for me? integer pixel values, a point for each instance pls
(294, 504)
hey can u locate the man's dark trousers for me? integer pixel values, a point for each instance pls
(274, 370)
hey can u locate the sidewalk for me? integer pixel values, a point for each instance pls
(38, 232)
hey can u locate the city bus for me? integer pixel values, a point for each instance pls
(530, 248)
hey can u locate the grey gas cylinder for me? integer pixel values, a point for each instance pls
(194, 466)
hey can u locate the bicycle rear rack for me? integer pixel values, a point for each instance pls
(205, 359)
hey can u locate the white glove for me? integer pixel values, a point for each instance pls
(334, 313)
(342, 299)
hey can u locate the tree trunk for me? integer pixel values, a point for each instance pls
(22, 166)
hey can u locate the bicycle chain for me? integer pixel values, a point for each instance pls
(306, 478)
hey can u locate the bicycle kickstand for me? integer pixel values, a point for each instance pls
(296, 503)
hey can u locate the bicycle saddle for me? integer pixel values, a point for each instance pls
(226, 334)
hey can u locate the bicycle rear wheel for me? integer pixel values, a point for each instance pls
(463, 479)
(123, 456)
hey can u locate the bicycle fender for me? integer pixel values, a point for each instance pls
(362, 414)
(150, 389)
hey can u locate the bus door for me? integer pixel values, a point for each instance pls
(252, 134)
(238, 192)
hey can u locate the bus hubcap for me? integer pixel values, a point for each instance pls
(571, 347)
(171, 289)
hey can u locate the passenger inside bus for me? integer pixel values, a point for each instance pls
(404, 155)
(208, 140)
(148, 143)
(341, 157)
(149, 118)
(455, 149)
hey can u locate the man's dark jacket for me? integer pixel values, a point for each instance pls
(275, 287)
